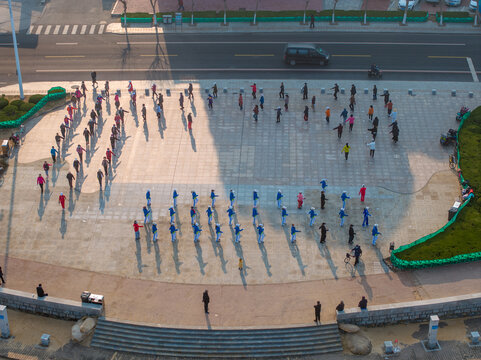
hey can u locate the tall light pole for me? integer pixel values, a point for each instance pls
(14, 38)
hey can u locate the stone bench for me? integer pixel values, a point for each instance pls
(413, 311)
(48, 306)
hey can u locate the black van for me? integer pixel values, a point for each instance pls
(305, 54)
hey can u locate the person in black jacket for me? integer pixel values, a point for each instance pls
(363, 303)
(351, 234)
(40, 292)
(206, 300)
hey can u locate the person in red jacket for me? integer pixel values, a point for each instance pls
(136, 230)
(61, 200)
(254, 90)
(362, 192)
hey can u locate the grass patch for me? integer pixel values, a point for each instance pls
(464, 235)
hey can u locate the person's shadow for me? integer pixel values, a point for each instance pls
(200, 260)
(63, 225)
(101, 201)
(175, 256)
(146, 131)
(192, 141)
(71, 203)
(138, 254)
(265, 259)
(158, 260)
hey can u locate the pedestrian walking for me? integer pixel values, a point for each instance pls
(107, 89)
(46, 167)
(317, 313)
(197, 230)
(214, 90)
(231, 197)
(40, 182)
(61, 200)
(254, 91)
(255, 213)
(353, 90)
(70, 110)
(344, 197)
(389, 108)
(300, 200)
(91, 124)
(336, 90)
(205, 296)
(148, 198)
(130, 87)
(324, 231)
(294, 231)
(80, 151)
(100, 175)
(54, 152)
(351, 234)
(261, 102)
(386, 97)
(342, 215)
(344, 114)
(1, 276)
(323, 183)
(255, 197)
(346, 150)
(395, 132)
(357, 254)
(63, 131)
(311, 25)
(312, 216)
(154, 90)
(181, 101)
(230, 213)
(260, 234)
(375, 234)
(116, 101)
(373, 131)
(86, 134)
(372, 148)
(147, 215)
(191, 92)
(306, 113)
(209, 215)
(212, 198)
(281, 92)
(210, 101)
(154, 233)
(144, 112)
(284, 215)
(173, 231)
(175, 195)
(58, 138)
(374, 92)
(279, 197)
(350, 120)
(339, 129)
(304, 92)
(365, 214)
(241, 102)
(137, 230)
(255, 112)
(375, 122)
(84, 89)
(370, 112)
(328, 114)
(286, 103)
(122, 114)
(105, 164)
(241, 264)
(237, 231)
(158, 112)
(171, 214)
(109, 154)
(323, 200)
(278, 114)
(192, 215)
(195, 198)
(93, 75)
(70, 179)
(362, 192)
(352, 102)
(218, 232)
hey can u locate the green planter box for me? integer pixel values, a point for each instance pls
(447, 19)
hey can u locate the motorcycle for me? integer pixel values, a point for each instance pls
(463, 113)
(377, 73)
(450, 138)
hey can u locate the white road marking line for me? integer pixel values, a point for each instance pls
(47, 30)
(472, 69)
(74, 30)
(92, 30)
(101, 29)
(283, 42)
(8, 44)
(30, 29)
(84, 28)
(57, 29)
(65, 29)
(72, 43)
(39, 30)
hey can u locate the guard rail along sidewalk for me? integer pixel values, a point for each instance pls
(420, 264)
(48, 306)
(413, 311)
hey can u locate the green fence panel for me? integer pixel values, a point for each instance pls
(137, 20)
(54, 93)
(454, 19)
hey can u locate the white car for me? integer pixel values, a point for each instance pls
(452, 2)
(411, 4)
(473, 5)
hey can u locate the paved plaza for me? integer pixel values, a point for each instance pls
(409, 189)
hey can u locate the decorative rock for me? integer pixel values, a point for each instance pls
(186, 92)
(261, 90)
(88, 325)
(433, 91)
(225, 90)
(343, 91)
(358, 344)
(167, 92)
(207, 90)
(453, 92)
(349, 328)
(241, 90)
(410, 91)
(366, 91)
(323, 90)
(471, 94)
(147, 92)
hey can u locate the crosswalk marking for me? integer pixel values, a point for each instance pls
(57, 29)
(65, 29)
(74, 30)
(92, 29)
(84, 28)
(39, 30)
(30, 29)
(47, 30)
(101, 29)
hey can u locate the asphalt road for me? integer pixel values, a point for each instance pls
(406, 56)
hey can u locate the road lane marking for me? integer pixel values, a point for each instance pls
(8, 44)
(47, 30)
(65, 29)
(65, 56)
(446, 57)
(350, 55)
(84, 28)
(57, 29)
(74, 30)
(472, 69)
(92, 30)
(101, 29)
(71, 43)
(254, 55)
(39, 30)
(284, 43)
(30, 29)
(160, 55)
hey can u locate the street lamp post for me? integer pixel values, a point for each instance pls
(15, 49)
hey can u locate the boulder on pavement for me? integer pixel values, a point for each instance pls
(83, 328)
(358, 344)
(349, 328)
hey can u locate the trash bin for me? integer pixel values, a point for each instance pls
(453, 210)
(167, 19)
(4, 147)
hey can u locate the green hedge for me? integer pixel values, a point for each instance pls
(459, 240)
(35, 98)
(455, 17)
(3, 102)
(13, 117)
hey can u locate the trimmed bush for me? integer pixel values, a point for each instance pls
(56, 90)
(3, 102)
(17, 103)
(454, 14)
(35, 98)
(138, 15)
(25, 107)
(10, 110)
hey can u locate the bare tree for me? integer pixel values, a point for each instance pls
(152, 3)
(305, 9)
(124, 3)
(476, 15)
(441, 15)
(365, 12)
(405, 17)
(225, 12)
(333, 20)
(255, 13)
(192, 14)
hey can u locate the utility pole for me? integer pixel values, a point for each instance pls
(15, 49)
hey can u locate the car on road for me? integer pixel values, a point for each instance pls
(300, 53)
(411, 4)
(452, 2)
(473, 5)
